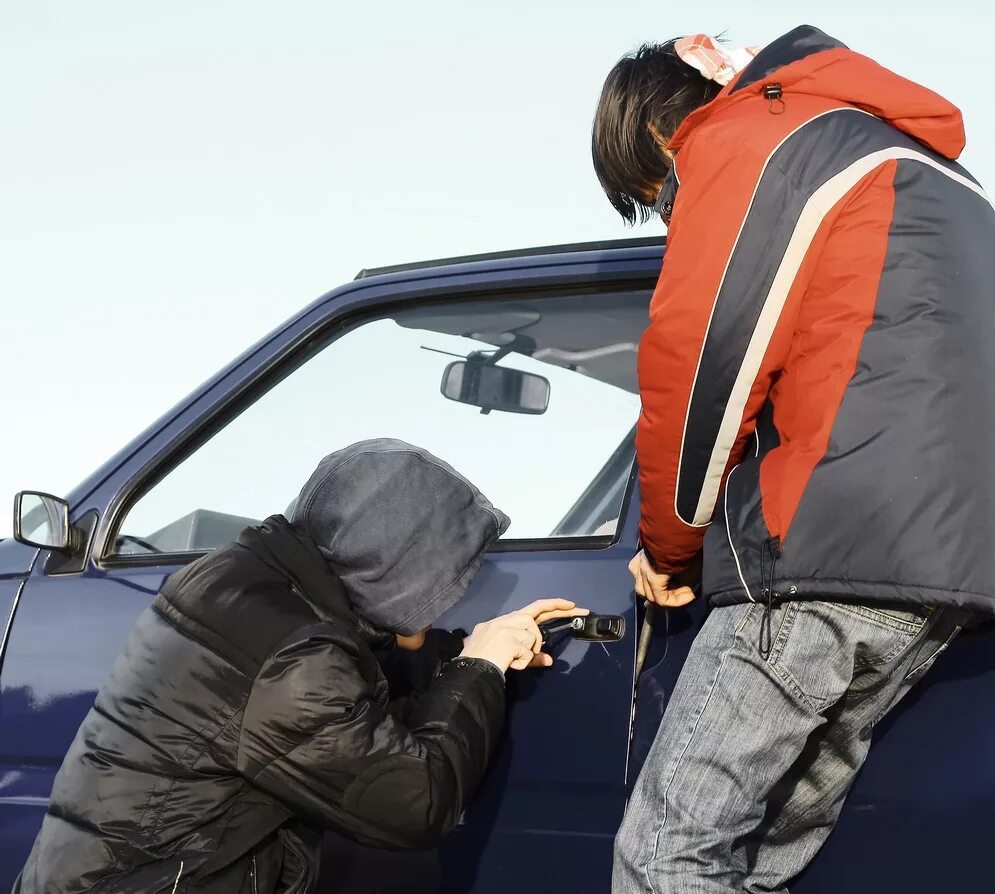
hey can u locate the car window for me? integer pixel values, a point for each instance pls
(557, 472)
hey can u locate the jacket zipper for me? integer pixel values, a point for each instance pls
(771, 547)
(296, 885)
(179, 875)
(725, 501)
(252, 874)
(732, 546)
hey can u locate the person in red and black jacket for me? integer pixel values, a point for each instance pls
(818, 422)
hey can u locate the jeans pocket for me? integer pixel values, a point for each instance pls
(782, 620)
(748, 612)
(819, 646)
(907, 620)
(802, 653)
(923, 664)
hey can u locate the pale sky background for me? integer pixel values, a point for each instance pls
(178, 178)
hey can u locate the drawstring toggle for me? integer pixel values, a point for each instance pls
(774, 94)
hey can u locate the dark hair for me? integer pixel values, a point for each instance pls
(650, 86)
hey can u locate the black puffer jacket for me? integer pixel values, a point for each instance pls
(247, 712)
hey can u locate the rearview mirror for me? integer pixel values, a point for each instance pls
(482, 384)
(42, 520)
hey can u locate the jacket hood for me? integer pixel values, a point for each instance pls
(403, 531)
(808, 61)
(291, 553)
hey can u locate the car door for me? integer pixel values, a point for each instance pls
(368, 361)
(919, 814)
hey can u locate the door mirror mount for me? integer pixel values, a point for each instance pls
(42, 520)
(481, 383)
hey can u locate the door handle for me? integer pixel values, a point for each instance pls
(591, 628)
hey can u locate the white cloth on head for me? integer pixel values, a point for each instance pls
(714, 61)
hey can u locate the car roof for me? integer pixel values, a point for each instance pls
(579, 251)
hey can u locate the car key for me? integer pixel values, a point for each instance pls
(591, 628)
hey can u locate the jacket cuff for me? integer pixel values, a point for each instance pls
(659, 566)
(477, 665)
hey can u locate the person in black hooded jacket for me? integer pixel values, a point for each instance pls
(249, 711)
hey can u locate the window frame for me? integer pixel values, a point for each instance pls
(286, 361)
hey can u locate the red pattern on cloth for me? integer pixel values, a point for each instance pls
(713, 60)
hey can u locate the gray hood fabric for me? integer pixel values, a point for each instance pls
(402, 530)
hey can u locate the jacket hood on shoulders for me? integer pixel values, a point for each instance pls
(402, 530)
(808, 61)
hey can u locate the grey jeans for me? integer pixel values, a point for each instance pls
(755, 755)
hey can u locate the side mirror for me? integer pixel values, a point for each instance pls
(482, 384)
(42, 520)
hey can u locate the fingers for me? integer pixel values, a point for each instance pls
(543, 610)
(654, 586)
(636, 570)
(534, 640)
(561, 613)
(523, 658)
(673, 598)
(540, 606)
(510, 641)
(541, 659)
(682, 596)
(523, 628)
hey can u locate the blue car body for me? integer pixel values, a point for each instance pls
(917, 820)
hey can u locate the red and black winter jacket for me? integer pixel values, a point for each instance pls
(818, 377)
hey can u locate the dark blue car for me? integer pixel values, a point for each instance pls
(555, 451)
